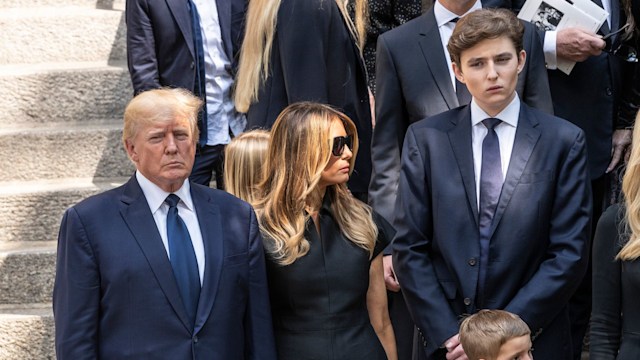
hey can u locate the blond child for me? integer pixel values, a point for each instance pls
(495, 335)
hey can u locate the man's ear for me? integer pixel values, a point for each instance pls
(131, 150)
(458, 72)
(522, 59)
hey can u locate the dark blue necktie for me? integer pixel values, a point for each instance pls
(490, 188)
(183, 258)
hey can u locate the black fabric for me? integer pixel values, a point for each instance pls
(319, 302)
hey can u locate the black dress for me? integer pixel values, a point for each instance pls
(319, 303)
(615, 322)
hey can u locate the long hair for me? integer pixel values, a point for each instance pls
(299, 150)
(255, 54)
(244, 158)
(631, 191)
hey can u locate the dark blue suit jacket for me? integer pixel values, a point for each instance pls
(539, 239)
(160, 42)
(115, 295)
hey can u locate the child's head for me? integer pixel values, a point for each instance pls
(495, 335)
(243, 159)
(487, 55)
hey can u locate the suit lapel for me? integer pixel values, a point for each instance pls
(180, 11)
(211, 228)
(435, 56)
(460, 139)
(135, 212)
(525, 141)
(224, 19)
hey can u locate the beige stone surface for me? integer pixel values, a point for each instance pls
(27, 273)
(27, 332)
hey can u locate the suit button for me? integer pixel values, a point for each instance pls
(195, 339)
(472, 261)
(609, 92)
(467, 301)
(192, 65)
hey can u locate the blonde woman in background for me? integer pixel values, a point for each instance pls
(244, 158)
(615, 320)
(324, 261)
(306, 50)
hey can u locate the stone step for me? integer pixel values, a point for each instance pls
(73, 151)
(27, 332)
(63, 93)
(32, 210)
(99, 4)
(58, 34)
(27, 271)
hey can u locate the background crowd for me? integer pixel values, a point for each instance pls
(357, 131)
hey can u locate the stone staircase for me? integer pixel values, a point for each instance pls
(63, 88)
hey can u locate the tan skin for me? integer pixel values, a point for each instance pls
(518, 348)
(337, 172)
(163, 152)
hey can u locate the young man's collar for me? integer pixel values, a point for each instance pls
(509, 114)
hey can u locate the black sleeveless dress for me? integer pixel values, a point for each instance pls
(319, 303)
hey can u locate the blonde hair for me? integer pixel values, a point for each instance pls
(255, 54)
(483, 333)
(631, 191)
(299, 150)
(244, 157)
(159, 106)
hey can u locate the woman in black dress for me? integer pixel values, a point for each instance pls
(615, 320)
(323, 246)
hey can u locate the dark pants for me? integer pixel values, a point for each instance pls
(580, 302)
(209, 159)
(402, 324)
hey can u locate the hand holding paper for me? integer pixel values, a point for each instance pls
(578, 45)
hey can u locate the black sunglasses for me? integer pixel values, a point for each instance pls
(338, 144)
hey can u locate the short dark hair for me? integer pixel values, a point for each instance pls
(482, 25)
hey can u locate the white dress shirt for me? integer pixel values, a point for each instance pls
(445, 27)
(506, 132)
(155, 198)
(221, 114)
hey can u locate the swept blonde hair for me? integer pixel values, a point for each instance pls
(299, 150)
(631, 191)
(244, 157)
(255, 54)
(483, 333)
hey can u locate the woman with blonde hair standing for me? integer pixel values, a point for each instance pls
(306, 50)
(244, 158)
(324, 261)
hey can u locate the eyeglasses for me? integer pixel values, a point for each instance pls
(624, 51)
(338, 144)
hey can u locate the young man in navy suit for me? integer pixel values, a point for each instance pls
(160, 267)
(493, 203)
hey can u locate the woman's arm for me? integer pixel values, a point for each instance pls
(378, 310)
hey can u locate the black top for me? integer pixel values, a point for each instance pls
(319, 303)
(615, 321)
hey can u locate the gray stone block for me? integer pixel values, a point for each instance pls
(31, 211)
(58, 34)
(64, 93)
(27, 272)
(27, 332)
(78, 151)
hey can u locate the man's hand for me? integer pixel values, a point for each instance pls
(454, 349)
(620, 144)
(389, 275)
(577, 45)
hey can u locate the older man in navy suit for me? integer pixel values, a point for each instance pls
(161, 268)
(191, 44)
(494, 202)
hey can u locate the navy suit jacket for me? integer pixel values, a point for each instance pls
(413, 83)
(160, 42)
(539, 238)
(115, 295)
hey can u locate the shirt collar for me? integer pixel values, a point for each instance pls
(444, 16)
(508, 115)
(155, 195)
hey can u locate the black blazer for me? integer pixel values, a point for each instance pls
(539, 237)
(315, 58)
(160, 43)
(413, 83)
